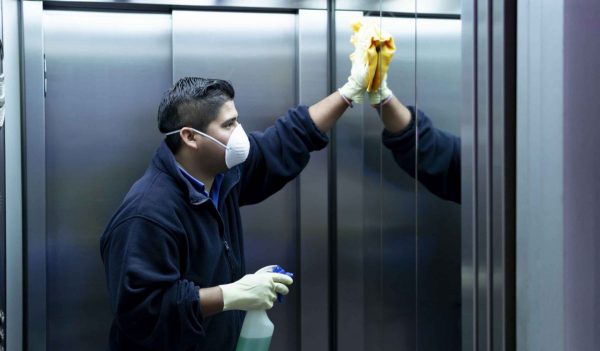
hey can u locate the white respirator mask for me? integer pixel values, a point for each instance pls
(237, 148)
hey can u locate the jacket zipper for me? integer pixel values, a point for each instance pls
(228, 253)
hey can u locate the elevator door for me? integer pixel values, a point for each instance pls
(257, 53)
(105, 76)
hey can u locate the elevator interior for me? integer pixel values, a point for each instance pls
(376, 256)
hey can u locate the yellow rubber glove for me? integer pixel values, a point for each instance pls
(254, 291)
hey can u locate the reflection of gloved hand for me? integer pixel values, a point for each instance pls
(254, 291)
(374, 49)
(380, 53)
(355, 88)
(381, 94)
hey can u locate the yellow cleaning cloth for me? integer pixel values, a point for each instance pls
(378, 47)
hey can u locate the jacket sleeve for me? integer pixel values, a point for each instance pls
(152, 305)
(279, 154)
(438, 156)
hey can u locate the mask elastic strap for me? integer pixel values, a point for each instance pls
(199, 132)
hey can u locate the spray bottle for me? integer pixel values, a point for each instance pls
(257, 329)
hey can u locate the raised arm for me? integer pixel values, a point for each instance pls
(327, 111)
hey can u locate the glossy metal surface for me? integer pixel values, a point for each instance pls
(34, 158)
(503, 174)
(14, 189)
(483, 181)
(489, 184)
(376, 212)
(273, 4)
(106, 74)
(398, 309)
(409, 7)
(438, 90)
(2, 214)
(351, 304)
(257, 53)
(468, 176)
(540, 176)
(313, 284)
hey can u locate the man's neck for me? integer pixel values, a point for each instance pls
(197, 171)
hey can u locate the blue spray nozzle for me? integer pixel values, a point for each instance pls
(280, 270)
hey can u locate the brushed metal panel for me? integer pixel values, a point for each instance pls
(503, 174)
(271, 4)
(376, 211)
(35, 177)
(3, 279)
(351, 303)
(468, 177)
(439, 95)
(14, 180)
(398, 206)
(314, 221)
(541, 114)
(482, 179)
(438, 7)
(257, 52)
(106, 74)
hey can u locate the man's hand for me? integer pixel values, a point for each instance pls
(255, 291)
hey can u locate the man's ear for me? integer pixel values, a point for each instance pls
(188, 138)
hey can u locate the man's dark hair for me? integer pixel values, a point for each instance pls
(191, 102)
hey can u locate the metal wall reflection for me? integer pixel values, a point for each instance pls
(105, 75)
(398, 204)
(439, 95)
(398, 246)
(376, 211)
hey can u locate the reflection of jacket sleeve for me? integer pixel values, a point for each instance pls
(279, 154)
(153, 306)
(439, 156)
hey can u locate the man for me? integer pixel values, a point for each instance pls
(174, 250)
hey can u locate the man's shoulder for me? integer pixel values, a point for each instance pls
(154, 196)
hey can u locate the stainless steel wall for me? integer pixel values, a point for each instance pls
(395, 276)
(438, 229)
(2, 210)
(376, 211)
(105, 76)
(13, 196)
(398, 246)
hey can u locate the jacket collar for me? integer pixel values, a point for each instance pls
(165, 161)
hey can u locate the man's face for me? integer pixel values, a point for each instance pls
(212, 154)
